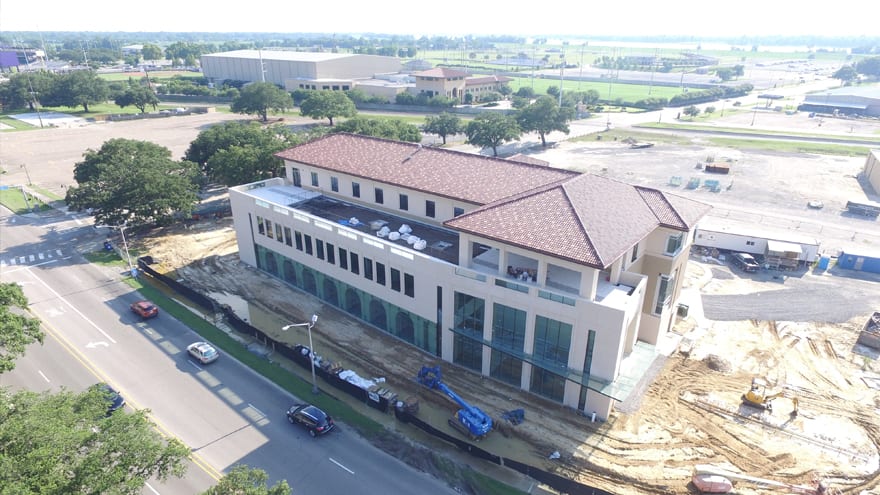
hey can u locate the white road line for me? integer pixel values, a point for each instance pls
(44, 376)
(255, 409)
(38, 279)
(151, 488)
(194, 365)
(340, 465)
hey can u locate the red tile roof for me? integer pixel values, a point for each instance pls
(473, 81)
(442, 72)
(584, 218)
(590, 220)
(471, 178)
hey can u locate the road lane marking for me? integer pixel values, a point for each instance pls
(151, 488)
(340, 465)
(157, 425)
(194, 365)
(38, 279)
(255, 409)
(44, 376)
(26, 267)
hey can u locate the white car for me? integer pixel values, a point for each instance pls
(203, 352)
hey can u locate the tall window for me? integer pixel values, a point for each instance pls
(457, 211)
(404, 202)
(260, 227)
(409, 285)
(664, 292)
(308, 242)
(380, 273)
(334, 184)
(552, 342)
(508, 327)
(298, 239)
(355, 267)
(469, 314)
(297, 179)
(287, 237)
(355, 189)
(315, 179)
(588, 365)
(430, 208)
(380, 196)
(395, 279)
(278, 235)
(331, 254)
(368, 268)
(268, 229)
(635, 255)
(343, 259)
(673, 244)
(319, 249)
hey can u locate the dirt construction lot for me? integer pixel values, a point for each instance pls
(799, 333)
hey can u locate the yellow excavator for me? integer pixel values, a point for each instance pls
(757, 396)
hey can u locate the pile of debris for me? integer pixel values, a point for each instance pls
(870, 335)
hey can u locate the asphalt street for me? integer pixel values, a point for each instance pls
(225, 412)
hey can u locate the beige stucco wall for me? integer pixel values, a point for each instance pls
(872, 169)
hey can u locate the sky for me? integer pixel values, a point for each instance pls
(698, 18)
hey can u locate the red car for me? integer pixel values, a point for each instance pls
(145, 309)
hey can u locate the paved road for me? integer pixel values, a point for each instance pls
(226, 413)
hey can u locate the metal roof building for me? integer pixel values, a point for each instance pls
(292, 69)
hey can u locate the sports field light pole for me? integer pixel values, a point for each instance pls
(310, 324)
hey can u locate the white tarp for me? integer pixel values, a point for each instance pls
(783, 247)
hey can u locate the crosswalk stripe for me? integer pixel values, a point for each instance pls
(41, 256)
(21, 259)
(59, 252)
(12, 261)
(2, 263)
(32, 257)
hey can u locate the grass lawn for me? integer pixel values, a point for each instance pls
(14, 199)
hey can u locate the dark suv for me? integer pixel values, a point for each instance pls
(745, 262)
(314, 419)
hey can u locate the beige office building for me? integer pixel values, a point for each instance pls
(544, 279)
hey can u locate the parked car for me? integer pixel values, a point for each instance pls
(316, 421)
(745, 262)
(203, 351)
(145, 309)
(115, 400)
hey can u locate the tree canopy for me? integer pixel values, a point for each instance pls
(135, 182)
(490, 130)
(327, 105)
(17, 328)
(242, 480)
(235, 153)
(846, 74)
(869, 66)
(445, 124)
(66, 443)
(545, 116)
(260, 97)
(383, 128)
(77, 88)
(137, 95)
(24, 88)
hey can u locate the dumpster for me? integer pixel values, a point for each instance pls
(683, 310)
(823, 263)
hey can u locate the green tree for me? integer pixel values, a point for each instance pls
(525, 92)
(25, 88)
(78, 88)
(17, 329)
(739, 70)
(135, 182)
(66, 443)
(846, 74)
(490, 130)
(328, 105)
(545, 116)
(445, 124)
(691, 111)
(260, 97)
(724, 73)
(242, 480)
(267, 140)
(379, 127)
(869, 66)
(138, 96)
(151, 52)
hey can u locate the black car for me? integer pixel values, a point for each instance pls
(115, 400)
(314, 419)
(745, 262)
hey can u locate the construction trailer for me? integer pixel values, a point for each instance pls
(784, 249)
(861, 260)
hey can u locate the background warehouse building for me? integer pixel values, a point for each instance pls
(296, 70)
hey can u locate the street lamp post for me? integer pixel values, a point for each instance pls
(310, 324)
(131, 269)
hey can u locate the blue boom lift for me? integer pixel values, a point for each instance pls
(469, 420)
